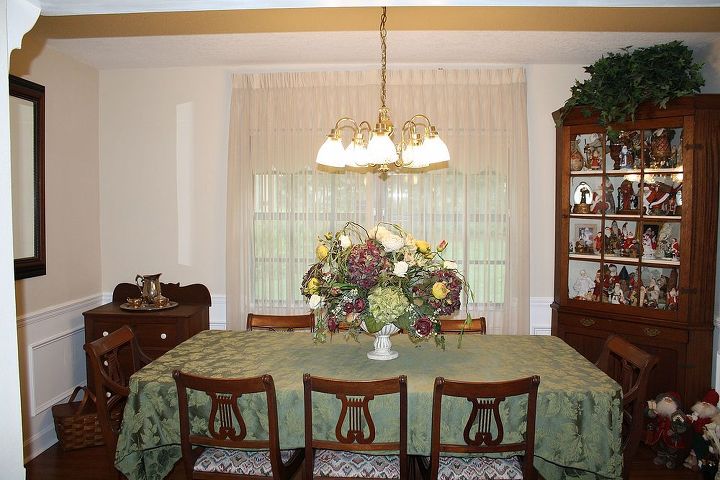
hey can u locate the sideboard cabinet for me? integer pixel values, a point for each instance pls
(156, 331)
(636, 237)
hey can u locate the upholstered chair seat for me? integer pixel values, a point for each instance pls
(239, 462)
(472, 468)
(338, 463)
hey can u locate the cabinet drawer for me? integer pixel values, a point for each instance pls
(158, 335)
(103, 329)
(590, 323)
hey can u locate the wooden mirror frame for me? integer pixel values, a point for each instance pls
(34, 266)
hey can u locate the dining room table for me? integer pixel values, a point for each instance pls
(579, 408)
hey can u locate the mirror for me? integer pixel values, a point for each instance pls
(27, 160)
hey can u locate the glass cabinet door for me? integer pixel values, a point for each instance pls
(625, 214)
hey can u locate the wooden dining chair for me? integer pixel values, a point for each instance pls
(113, 359)
(225, 451)
(630, 367)
(275, 323)
(483, 432)
(476, 326)
(355, 431)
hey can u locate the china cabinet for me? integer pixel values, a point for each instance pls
(636, 230)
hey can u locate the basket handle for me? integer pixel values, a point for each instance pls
(87, 394)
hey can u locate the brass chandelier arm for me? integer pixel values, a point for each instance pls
(353, 124)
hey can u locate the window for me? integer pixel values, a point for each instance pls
(291, 210)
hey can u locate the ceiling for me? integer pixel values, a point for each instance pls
(325, 38)
(83, 7)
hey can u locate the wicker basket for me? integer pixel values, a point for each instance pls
(76, 422)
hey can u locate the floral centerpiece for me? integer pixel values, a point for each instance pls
(370, 279)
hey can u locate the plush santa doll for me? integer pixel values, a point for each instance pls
(666, 431)
(702, 414)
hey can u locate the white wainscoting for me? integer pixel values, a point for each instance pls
(52, 363)
(218, 312)
(540, 315)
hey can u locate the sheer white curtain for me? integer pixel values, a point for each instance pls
(278, 202)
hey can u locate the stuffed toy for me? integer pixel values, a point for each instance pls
(709, 465)
(666, 430)
(703, 413)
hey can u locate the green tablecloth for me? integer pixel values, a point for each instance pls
(578, 412)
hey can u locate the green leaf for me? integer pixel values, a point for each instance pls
(620, 82)
(373, 325)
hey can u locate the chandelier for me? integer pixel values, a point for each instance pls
(419, 144)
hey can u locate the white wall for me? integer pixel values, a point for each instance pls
(49, 308)
(16, 18)
(163, 162)
(548, 86)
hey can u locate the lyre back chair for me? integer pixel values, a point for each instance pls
(113, 359)
(476, 326)
(483, 432)
(286, 323)
(225, 451)
(355, 431)
(630, 367)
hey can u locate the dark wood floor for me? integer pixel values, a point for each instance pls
(89, 464)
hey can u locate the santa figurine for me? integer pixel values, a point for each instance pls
(672, 299)
(666, 430)
(702, 414)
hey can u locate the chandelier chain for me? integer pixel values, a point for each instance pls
(383, 45)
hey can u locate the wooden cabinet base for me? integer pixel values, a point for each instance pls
(684, 353)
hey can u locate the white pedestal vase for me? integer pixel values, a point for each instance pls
(383, 345)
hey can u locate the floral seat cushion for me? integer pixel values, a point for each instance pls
(238, 462)
(336, 463)
(472, 468)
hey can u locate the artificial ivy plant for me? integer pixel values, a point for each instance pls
(619, 82)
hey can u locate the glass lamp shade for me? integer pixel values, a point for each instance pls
(415, 156)
(437, 151)
(331, 153)
(356, 155)
(381, 149)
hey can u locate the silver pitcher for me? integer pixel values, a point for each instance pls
(149, 286)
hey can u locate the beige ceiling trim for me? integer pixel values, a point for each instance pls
(399, 18)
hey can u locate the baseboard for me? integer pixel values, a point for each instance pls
(540, 315)
(39, 442)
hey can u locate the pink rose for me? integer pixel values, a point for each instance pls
(423, 326)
